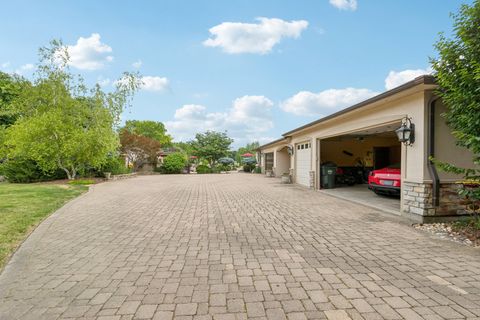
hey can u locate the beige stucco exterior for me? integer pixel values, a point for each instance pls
(413, 102)
(281, 157)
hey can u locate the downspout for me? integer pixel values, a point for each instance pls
(431, 153)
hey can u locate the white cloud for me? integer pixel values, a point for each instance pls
(344, 4)
(5, 65)
(261, 37)
(137, 64)
(306, 103)
(25, 68)
(248, 117)
(190, 112)
(89, 53)
(155, 83)
(395, 79)
(103, 82)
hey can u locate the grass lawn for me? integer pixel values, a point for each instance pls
(24, 206)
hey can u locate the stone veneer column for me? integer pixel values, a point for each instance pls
(417, 199)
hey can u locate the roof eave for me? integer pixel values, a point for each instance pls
(424, 79)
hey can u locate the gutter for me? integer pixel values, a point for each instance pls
(431, 153)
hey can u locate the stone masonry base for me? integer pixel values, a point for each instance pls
(417, 201)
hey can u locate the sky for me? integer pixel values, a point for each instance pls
(255, 68)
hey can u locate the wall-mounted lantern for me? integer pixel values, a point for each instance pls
(406, 132)
(290, 150)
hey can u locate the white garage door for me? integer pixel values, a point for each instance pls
(303, 163)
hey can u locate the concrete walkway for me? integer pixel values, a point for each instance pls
(233, 246)
(362, 195)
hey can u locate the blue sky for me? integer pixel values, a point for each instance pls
(254, 68)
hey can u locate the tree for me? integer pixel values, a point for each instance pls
(54, 138)
(211, 146)
(139, 149)
(249, 148)
(150, 129)
(458, 75)
(185, 147)
(62, 124)
(10, 88)
(457, 71)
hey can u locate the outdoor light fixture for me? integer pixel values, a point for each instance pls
(290, 150)
(406, 132)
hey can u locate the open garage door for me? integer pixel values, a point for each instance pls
(303, 163)
(367, 166)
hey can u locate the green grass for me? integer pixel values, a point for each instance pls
(24, 206)
(82, 182)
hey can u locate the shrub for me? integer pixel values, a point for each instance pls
(258, 170)
(248, 167)
(115, 165)
(174, 163)
(224, 167)
(26, 170)
(201, 169)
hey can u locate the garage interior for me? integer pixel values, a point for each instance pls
(355, 155)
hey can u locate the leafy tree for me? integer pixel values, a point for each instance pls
(211, 146)
(249, 148)
(174, 163)
(139, 149)
(71, 138)
(184, 147)
(150, 129)
(458, 75)
(62, 124)
(10, 88)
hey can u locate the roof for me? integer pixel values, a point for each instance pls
(271, 143)
(424, 79)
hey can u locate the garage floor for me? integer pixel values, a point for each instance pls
(360, 194)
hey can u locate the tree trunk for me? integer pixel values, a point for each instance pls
(69, 176)
(74, 173)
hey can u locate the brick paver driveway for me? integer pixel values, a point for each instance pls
(233, 246)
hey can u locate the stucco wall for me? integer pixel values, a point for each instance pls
(446, 149)
(386, 112)
(282, 164)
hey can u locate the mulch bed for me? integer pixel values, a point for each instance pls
(453, 231)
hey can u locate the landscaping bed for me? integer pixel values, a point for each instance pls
(459, 231)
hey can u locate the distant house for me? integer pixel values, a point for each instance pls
(165, 152)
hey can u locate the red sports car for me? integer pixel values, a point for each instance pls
(386, 180)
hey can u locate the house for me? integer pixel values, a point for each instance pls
(365, 134)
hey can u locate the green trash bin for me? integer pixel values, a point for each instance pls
(328, 171)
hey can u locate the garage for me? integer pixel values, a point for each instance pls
(303, 163)
(396, 132)
(373, 153)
